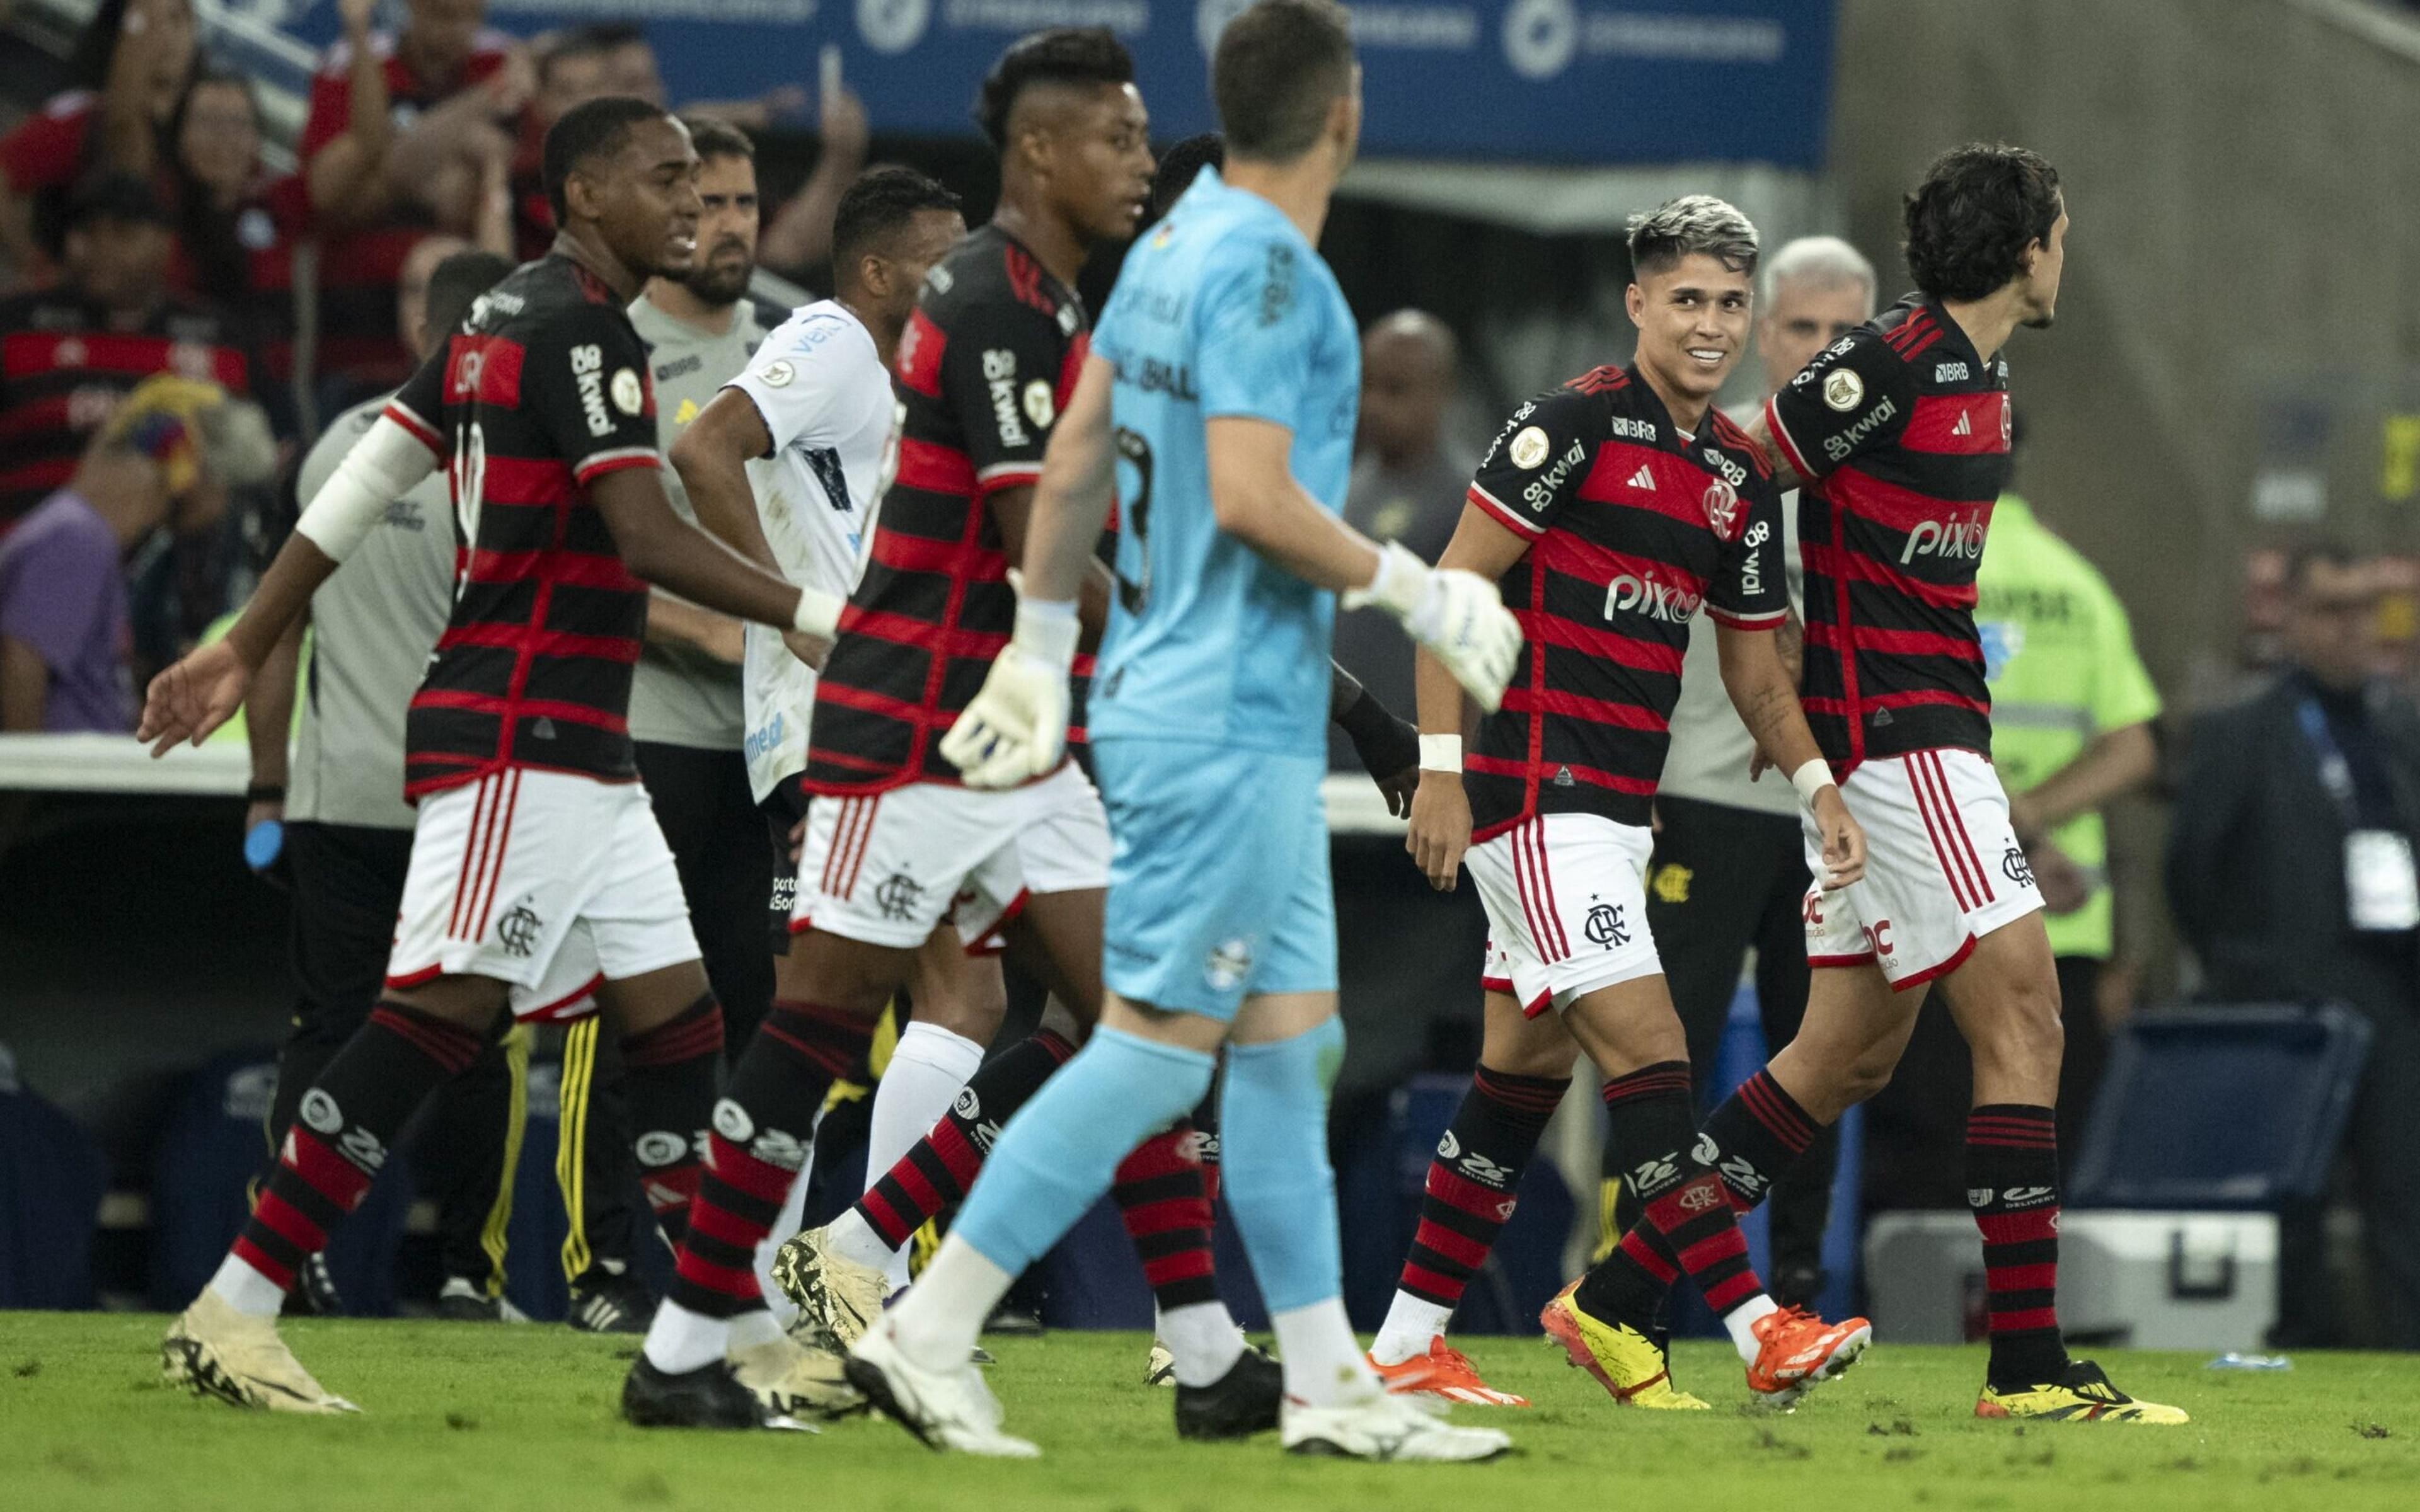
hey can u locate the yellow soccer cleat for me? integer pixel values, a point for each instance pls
(2084, 1395)
(1624, 1361)
(214, 1351)
(838, 1299)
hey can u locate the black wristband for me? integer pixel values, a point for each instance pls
(265, 792)
(1389, 746)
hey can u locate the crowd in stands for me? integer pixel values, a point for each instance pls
(144, 231)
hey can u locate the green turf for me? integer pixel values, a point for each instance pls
(479, 1415)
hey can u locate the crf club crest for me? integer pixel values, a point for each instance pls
(2019, 870)
(1606, 926)
(518, 930)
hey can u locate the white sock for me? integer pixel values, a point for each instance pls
(1409, 1326)
(853, 1239)
(1739, 1320)
(923, 1077)
(793, 1218)
(1323, 1360)
(246, 1290)
(938, 1322)
(754, 1327)
(679, 1341)
(1204, 1338)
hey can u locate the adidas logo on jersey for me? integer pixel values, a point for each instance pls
(1643, 478)
(1965, 425)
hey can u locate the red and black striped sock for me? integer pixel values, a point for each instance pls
(762, 1129)
(2012, 1185)
(347, 1123)
(1163, 1196)
(1686, 1222)
(1757, 1135)
(671, 1069)
(1473, 1181)
(941, 1166)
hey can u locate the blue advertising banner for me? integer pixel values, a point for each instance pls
(1537, 81)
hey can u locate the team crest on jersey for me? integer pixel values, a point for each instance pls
(518, 930)
(1605, 927)
(1843, 389)
(1530, 448)
(628, 396)
(1722, 503)
(777, 374)
(1041, 405)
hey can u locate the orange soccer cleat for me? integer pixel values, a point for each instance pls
(1797, 1351)
(1445, 1373)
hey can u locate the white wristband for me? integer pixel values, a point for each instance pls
(1811, 779)
(819, 615)
(1441, 754)
(1048, 629)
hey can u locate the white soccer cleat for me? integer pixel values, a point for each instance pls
(944, 1409)
(214, 1351)
(835, 1295)
(1159, 1366)
(796, 1379)
(1393, 1429)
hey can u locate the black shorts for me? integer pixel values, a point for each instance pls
(784, 809)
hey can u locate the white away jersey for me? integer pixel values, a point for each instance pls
(825, 397)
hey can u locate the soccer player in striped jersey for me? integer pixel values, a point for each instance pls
(1611, 511)
(1900, 434)
(539, 883)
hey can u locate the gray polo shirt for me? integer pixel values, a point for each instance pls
(1710, 748)
(373, 624)
(681, 696)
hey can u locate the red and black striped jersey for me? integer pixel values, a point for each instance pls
(1633, 527)
(65, 364)
(1901, 430)
(986, 363)
(544, 389)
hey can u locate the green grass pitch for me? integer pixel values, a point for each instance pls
(475, 1416)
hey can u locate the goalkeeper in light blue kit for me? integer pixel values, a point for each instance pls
(1218, 407)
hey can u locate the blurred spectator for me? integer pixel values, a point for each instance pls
(1408, 485)
(406, 130)
(2291, 874)
(235, 225)
(67, 355)
(617, 58)
(129, 70)
(66, 633)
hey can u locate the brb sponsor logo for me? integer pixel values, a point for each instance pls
(1647, 595)
(1960, 537)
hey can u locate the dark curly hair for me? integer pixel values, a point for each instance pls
(1969, 223)
(1062, 54)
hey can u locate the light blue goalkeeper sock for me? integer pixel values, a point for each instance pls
(1273, 1163)
(1059, 1152)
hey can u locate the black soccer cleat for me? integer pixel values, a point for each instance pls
(1237, 1405)
(709, 1396)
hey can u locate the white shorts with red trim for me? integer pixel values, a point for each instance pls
(1566, 901)
(548, 882)
(1943, 868)
(888, 868)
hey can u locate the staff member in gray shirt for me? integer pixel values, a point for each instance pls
(1730, 867)
(347, 832)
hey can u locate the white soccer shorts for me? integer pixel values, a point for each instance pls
(549, 882)
(1566, 901)
(888, 868)
(1943, 868)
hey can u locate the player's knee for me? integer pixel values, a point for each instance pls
(2024, 1037)
(1865, 1075)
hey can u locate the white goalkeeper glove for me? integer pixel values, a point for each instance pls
(1457, 615)
(1016, 727)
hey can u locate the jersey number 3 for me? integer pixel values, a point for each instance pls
(1134, 453)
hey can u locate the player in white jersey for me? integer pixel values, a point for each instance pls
(788, 464)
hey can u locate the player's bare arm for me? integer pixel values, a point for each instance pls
(202, 690)
(1013, 509)
(271, 723)
(712, 457)
(666, 550)
(1766, 697)
(1257, 501)
(1440, 827)
(2118, 761)
(1760, 434)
